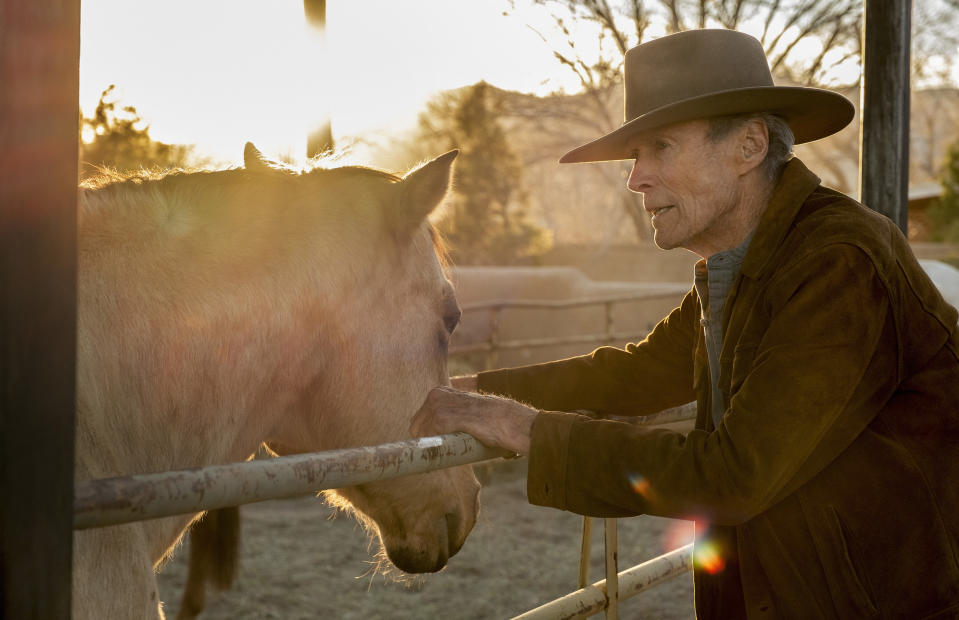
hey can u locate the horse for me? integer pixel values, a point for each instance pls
(218, 311)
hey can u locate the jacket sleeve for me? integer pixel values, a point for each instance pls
(814, 381)
(640, 379)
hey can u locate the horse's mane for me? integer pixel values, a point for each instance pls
(105, 177)
(172, 195)
(110, 193)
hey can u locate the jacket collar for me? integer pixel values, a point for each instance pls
(794, 186)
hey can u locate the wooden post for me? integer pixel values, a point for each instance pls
(612, 570)
(320, 138)
(39, 93)
(584, 553)
(884, 109)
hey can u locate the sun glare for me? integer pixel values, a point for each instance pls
(218, 73)
(215, 73)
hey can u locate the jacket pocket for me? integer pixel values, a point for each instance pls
(839, 556)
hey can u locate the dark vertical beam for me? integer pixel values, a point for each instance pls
(315, 11)
(884, 111)
(39, 55)
(320, 139)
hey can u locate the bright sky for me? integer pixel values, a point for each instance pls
(220, 72)
(217, 73)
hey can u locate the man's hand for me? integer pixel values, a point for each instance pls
(496, 422)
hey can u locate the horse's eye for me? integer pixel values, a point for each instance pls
(451, 314)
(452, 320)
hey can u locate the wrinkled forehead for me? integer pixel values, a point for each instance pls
(685, 131)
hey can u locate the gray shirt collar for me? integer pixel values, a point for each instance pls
(714, 279)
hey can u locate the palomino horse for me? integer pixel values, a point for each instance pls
(221, 310)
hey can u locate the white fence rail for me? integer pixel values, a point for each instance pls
(111, 501)
(493, 343)
(632, 581)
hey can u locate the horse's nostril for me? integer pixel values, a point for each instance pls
(411, 560)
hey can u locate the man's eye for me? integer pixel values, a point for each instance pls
(661, 145)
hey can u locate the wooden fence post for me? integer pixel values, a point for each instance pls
(39, 92)
(884, 127)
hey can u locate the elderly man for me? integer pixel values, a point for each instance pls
(824, 467)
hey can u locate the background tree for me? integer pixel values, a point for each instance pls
(597, 61)
(807, 42)
(944, 213)
(119, 138)
(934, 115)
(486, 220)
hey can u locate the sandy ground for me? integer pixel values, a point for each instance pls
(301, 560)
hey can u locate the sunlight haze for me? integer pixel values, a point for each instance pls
(217, 73)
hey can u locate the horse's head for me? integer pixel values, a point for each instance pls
(378, 314)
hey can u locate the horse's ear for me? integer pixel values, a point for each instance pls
(423, 190)
(254, 161)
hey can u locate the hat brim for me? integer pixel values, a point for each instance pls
(812, 113)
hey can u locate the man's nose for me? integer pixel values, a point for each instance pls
(638, 178)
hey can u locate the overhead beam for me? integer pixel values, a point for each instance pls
(320, 138)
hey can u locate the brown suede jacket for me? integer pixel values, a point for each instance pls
(831, 487)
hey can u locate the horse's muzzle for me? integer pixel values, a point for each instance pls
(450, 540)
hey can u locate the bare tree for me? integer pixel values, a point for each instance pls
(834, 26)
(935, 38)
(782, 26)
(807, 42)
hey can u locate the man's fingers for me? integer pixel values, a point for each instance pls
(426, 421)
(496, 422)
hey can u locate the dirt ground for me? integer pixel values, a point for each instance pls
(301, 560)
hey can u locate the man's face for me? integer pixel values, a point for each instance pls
(690, 185)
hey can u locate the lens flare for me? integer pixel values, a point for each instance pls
(677, 534)
(707, 557)
(639, 484)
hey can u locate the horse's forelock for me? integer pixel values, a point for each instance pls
(442, 250)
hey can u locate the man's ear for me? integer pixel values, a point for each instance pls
(753, 144)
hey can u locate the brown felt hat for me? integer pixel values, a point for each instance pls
(700, 74)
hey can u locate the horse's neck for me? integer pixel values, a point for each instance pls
(173, 399)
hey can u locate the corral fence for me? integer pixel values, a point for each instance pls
(493, 343)
(605, 594)
(125, 499)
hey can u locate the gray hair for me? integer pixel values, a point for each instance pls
(781, 138)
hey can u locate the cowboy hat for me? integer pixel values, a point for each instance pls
(701, 74)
